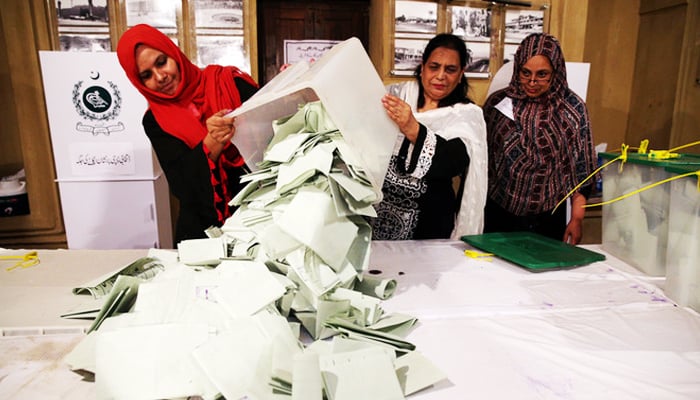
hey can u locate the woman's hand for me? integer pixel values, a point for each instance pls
(400, 112)
(220, 131)
(574, 230)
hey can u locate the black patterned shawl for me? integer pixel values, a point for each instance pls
(537, 158)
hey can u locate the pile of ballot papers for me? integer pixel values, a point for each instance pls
(276, 304)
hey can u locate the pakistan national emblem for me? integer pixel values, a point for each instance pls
(99, 104)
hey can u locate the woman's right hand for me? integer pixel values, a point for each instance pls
(220, 131)
(400, 112)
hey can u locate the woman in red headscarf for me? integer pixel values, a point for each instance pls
(186, 125)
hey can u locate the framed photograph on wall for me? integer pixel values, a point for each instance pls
(415, 16)
(471, 23)
(83, 25)
(84, 42)
(82, 13)
(478, 62)
(159, 14)
(520, 23)
(509, 52)
(408, 55)
(218, 14)
(222, 50)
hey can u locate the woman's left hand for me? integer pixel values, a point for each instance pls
(574, 229)
(400, 112)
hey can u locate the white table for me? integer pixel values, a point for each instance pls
(602, 331)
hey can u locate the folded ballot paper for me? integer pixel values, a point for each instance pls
(225, 318)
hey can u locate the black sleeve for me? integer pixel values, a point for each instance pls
(450, 159)
(186, 169)
(245, 89)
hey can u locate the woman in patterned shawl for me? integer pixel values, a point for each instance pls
(540, 146)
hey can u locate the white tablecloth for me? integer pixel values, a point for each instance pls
(601, 331)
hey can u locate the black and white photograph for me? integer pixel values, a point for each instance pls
(82, 12)
(471, 23)
(159, 14)
(219, 13)
(89, 43)
(222, 50)
(407, 55)
(306, 50)
(478, 62)
(520, 23)
(415, 16)
(509, 52)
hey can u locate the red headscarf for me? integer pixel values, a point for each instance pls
(201, 93)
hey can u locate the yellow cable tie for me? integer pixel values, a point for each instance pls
(684, 146)
(662, 154)
(620, 157)
(623, 156)
(25, 261)
(643, 146)
(478, 254)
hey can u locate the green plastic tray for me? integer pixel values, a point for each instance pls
(533, 251)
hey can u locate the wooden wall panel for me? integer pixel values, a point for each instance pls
(656, 73)
(686, 118)
(24, 32)
(611, 45)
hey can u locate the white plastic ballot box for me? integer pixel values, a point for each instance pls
(113, 192)
(346, 83)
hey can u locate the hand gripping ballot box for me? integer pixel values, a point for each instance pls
(635, 229)
(683, 251)
(348, 86)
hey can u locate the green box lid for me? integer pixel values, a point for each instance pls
(683, 169)
(637, 158)
(533, 251)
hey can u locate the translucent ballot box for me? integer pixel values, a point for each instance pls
(348, 86)
(635, 229)
(683, 252)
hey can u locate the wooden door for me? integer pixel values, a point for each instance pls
(298, 20)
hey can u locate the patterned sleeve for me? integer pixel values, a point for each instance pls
(585, 157)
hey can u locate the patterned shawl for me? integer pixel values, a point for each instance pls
(537, 158)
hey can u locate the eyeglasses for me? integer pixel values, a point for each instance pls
(542, 77)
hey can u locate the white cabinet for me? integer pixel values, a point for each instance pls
(129, 214)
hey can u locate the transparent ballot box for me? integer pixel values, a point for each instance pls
(683, 251)
(636, 228)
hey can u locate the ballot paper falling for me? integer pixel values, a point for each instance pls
(297, 249)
